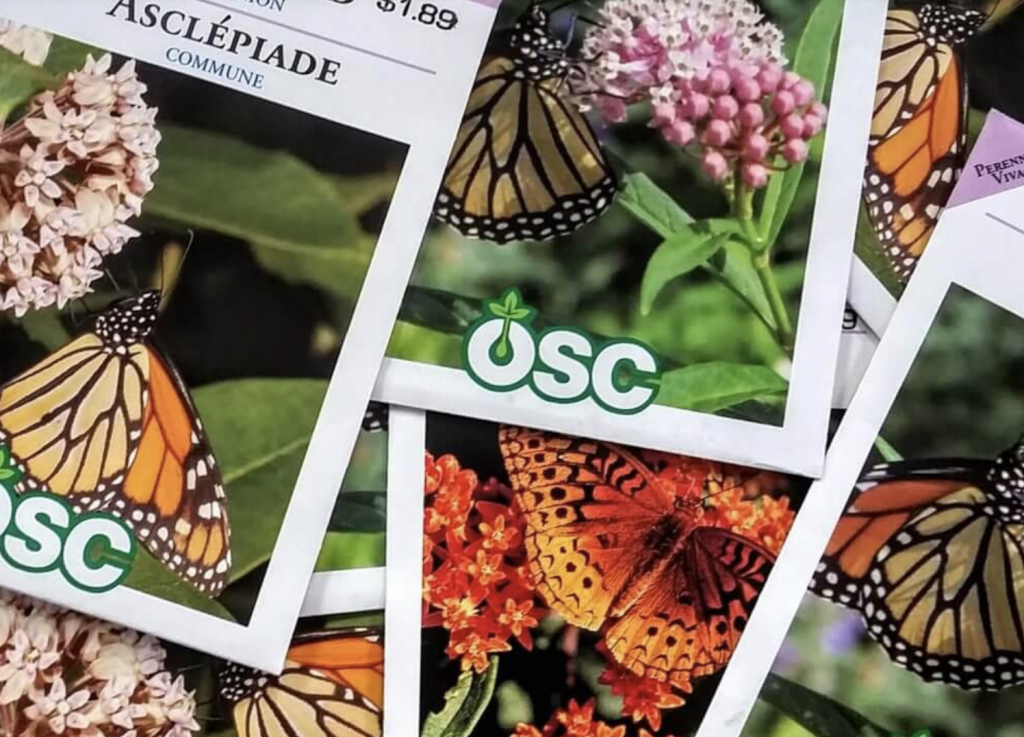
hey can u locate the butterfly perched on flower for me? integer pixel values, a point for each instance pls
(932, 555)
(526, 164)
(107, 423)
(332, 685)
(612, 547)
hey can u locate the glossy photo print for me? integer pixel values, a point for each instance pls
(645, 243)
(564, 586)
(942, 67)
(914, 618)
(911, 561)
(188, 259)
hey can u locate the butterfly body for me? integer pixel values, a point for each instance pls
(332, 685)
(611, 549)
(932, 555)
(526, 164)
(108, 423)
(918, 142)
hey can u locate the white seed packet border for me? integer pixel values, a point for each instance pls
(799, 445)
(979, 247)
(384, 59)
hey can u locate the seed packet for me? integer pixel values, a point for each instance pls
(209, 212)
(566, 580)
(649, 254)
(941, 65)
(911, 540)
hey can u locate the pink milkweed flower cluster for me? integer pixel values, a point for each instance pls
(715, 75)
(73, 172)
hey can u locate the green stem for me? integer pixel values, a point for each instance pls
(743, 210)
(502, 350)
(783, 326)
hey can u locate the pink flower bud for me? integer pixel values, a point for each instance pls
(719, 82)
(795, 151)
(726, 107)
(819, 110)
(612, 108)
(754, 176)
(680, 133)
(783, 103)
(695, 107)
(715, 165)
(813, 125)
(790, 80)
(803, 93)
(756, 148)
(770, 77)
(752, 115)
(792, 125)
(747, 89)
(664, 114)
(718, 133)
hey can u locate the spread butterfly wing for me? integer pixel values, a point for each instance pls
(588, 506)
(331, 686)
(946, 600)
(73, 421)
(889, 496)
(688, 621)
(526, 164)
(918, 132)
(173, 496)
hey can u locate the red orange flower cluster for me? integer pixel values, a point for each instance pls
(576, 721)
(475, 583)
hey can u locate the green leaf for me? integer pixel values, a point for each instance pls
(714, 386)
(344, 551)
(154, 578)
(67, 56)
(734, 265)
(511, 302)
(19, 81)
(682, 253)
(46, 328)
(814, 59)
(360, 511)
(819, 715)
(465, 703)
(259, 429)
(519, 314)
(293, 216)
(652, 206)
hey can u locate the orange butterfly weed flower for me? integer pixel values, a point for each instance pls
(475, 583)
(576, 721)
(642, 698)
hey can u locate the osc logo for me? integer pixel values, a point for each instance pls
(502, 352)
(40, 533)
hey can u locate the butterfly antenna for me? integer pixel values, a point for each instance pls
(113, 280)
(172, 261)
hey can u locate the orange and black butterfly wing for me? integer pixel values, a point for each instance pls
(889, 496)
(331, 686)
(688, 621)
(946, 597)
(588, 506)
(919, 128)
(173, 496)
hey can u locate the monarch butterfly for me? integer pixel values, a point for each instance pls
(526, 164)
(332, 685)
(932, 555)
(375, 418)
(918, 141)
(108, 423)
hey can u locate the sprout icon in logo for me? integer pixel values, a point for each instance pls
(502, 352)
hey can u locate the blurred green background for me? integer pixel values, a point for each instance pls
(964, 397)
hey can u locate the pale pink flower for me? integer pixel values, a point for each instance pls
(715, 75)
(30, 44)
(73, 173)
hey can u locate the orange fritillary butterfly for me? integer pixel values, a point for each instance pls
(610, 548)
